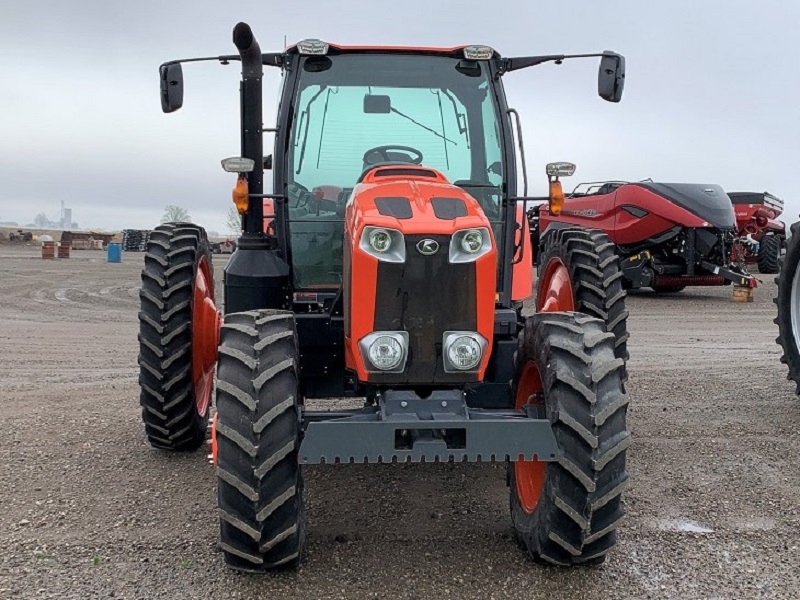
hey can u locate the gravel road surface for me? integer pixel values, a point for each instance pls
(88, 510)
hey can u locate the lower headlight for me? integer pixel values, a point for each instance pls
(385, 351)
(463, 350)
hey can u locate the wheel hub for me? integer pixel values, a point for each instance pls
(205, 336)
(555, 291)
(529, 475)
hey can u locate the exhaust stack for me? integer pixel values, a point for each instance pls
(252, 123)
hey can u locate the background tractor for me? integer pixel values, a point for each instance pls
(391, 265)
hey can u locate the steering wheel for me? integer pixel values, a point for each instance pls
(299, 196)
(391, 155)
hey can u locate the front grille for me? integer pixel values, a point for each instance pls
(425, 296)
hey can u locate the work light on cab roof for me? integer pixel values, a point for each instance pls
(312, 47)
(478, 52)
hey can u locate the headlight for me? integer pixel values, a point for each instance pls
(380, 240)
(468, 245)
(385, 351)
(472, 241)
(387, 245)
(463, 351)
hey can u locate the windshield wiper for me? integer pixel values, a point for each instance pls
(459, 116)
(307, 114)
(322, 127)
(433, 131)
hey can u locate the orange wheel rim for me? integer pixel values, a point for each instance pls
(555, 290)
(214, 439)
(205, 336)
(529, 475)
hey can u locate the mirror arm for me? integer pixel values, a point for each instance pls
(523, 62)
(269, 59)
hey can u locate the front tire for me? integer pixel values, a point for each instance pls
(769, 253)
(177, 337)
(788, 319)
(567, 512)
(591, 276)
(257, 435)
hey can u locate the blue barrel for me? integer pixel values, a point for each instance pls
(114, 252)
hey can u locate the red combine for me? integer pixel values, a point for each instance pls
(761, 236)
(668, 235)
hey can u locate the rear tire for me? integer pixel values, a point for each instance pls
(788, 319)
(259, 485)
(769, 253)
(596, 279)
(573, 517)
(170, 411)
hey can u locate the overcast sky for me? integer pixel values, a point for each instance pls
(712, 93)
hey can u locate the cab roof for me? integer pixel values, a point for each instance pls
(454, 51)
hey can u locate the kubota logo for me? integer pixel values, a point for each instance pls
(427, 247)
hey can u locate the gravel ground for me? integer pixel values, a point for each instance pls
(90, 511)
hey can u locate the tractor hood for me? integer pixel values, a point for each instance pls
(709, 202)
(414, 200)
(408, 273)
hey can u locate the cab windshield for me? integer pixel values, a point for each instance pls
(356, 111)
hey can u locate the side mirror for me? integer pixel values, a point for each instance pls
(611, 76)
(171, 87)
(268, 162)
(377, 104)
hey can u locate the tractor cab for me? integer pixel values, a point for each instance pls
(358, 109)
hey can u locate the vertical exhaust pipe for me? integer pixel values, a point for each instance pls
(255, 277)
(252, 122)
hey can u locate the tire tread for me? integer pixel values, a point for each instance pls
(169, 411)
(579, 511)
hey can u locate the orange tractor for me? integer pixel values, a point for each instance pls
(392, 268)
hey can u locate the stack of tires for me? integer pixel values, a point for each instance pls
(135, 240)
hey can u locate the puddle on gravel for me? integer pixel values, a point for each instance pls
(683, 526)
